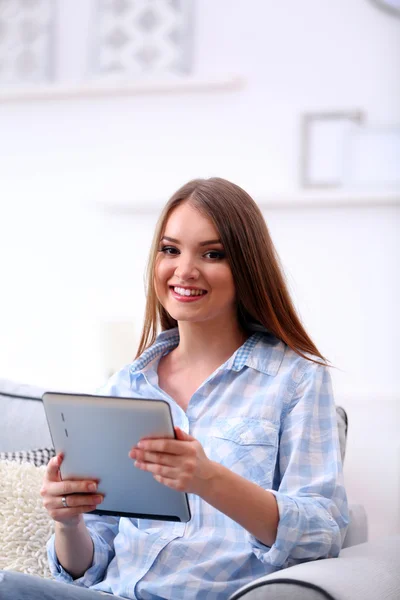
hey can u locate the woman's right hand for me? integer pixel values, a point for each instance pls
(79, 495)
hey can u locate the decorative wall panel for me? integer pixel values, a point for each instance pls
(140, 38)
(26, 35)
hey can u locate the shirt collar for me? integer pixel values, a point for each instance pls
(165, 342)
(267, 354)
(261, 351)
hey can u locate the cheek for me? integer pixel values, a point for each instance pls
(162, 274)
(223, 282)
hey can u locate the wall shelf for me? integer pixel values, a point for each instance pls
(315, 200)
(118, 88)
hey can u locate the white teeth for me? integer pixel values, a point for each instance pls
(185, 292)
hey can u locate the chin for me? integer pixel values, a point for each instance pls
(184, 318)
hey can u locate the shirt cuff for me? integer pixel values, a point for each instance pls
(306, 531)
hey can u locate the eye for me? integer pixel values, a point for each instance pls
(215, 254)
(169, 250)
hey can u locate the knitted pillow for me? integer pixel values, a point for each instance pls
(25, 525)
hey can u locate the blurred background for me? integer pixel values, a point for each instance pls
(108, 106)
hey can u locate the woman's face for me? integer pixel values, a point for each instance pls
(193, 280)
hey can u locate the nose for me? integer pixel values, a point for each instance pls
(186, 269)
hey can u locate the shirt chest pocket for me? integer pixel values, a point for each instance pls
(247, 447)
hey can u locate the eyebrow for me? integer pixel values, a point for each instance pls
(205, 243)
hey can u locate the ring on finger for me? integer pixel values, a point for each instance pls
(64, 502)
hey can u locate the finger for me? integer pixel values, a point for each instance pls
(79, 500)
(161, 445)
(162, 470)
(183, 436)
(53, 468)
(160, 458)
(64, 488)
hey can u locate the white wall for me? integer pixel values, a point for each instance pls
(68, 267)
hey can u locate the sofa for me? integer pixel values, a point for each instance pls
(367, 570)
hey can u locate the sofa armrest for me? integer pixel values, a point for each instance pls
(368, 571)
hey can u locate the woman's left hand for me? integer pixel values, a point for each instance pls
(179, 463)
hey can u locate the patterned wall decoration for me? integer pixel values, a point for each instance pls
(26, 36)
(141, 38)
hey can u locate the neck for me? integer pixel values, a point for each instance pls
(208, 342)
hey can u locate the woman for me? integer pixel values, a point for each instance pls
(256, 446)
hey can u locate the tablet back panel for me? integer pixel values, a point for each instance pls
(96, 433)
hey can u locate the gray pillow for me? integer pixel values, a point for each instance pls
(21, 390)
(342, 424)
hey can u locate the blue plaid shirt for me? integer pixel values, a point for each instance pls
(268, 415)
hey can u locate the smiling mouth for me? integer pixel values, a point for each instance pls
(187, 292)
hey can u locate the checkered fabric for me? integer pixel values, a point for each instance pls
(38, 457)
(266, 414)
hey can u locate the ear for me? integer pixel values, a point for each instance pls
(184, 437)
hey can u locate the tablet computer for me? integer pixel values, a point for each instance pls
(96, 433)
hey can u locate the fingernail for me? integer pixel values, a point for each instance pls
(92, 487)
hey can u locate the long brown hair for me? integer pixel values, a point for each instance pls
(261, 291)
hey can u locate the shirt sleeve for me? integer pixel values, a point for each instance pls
(102, 531)
(311, 499)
